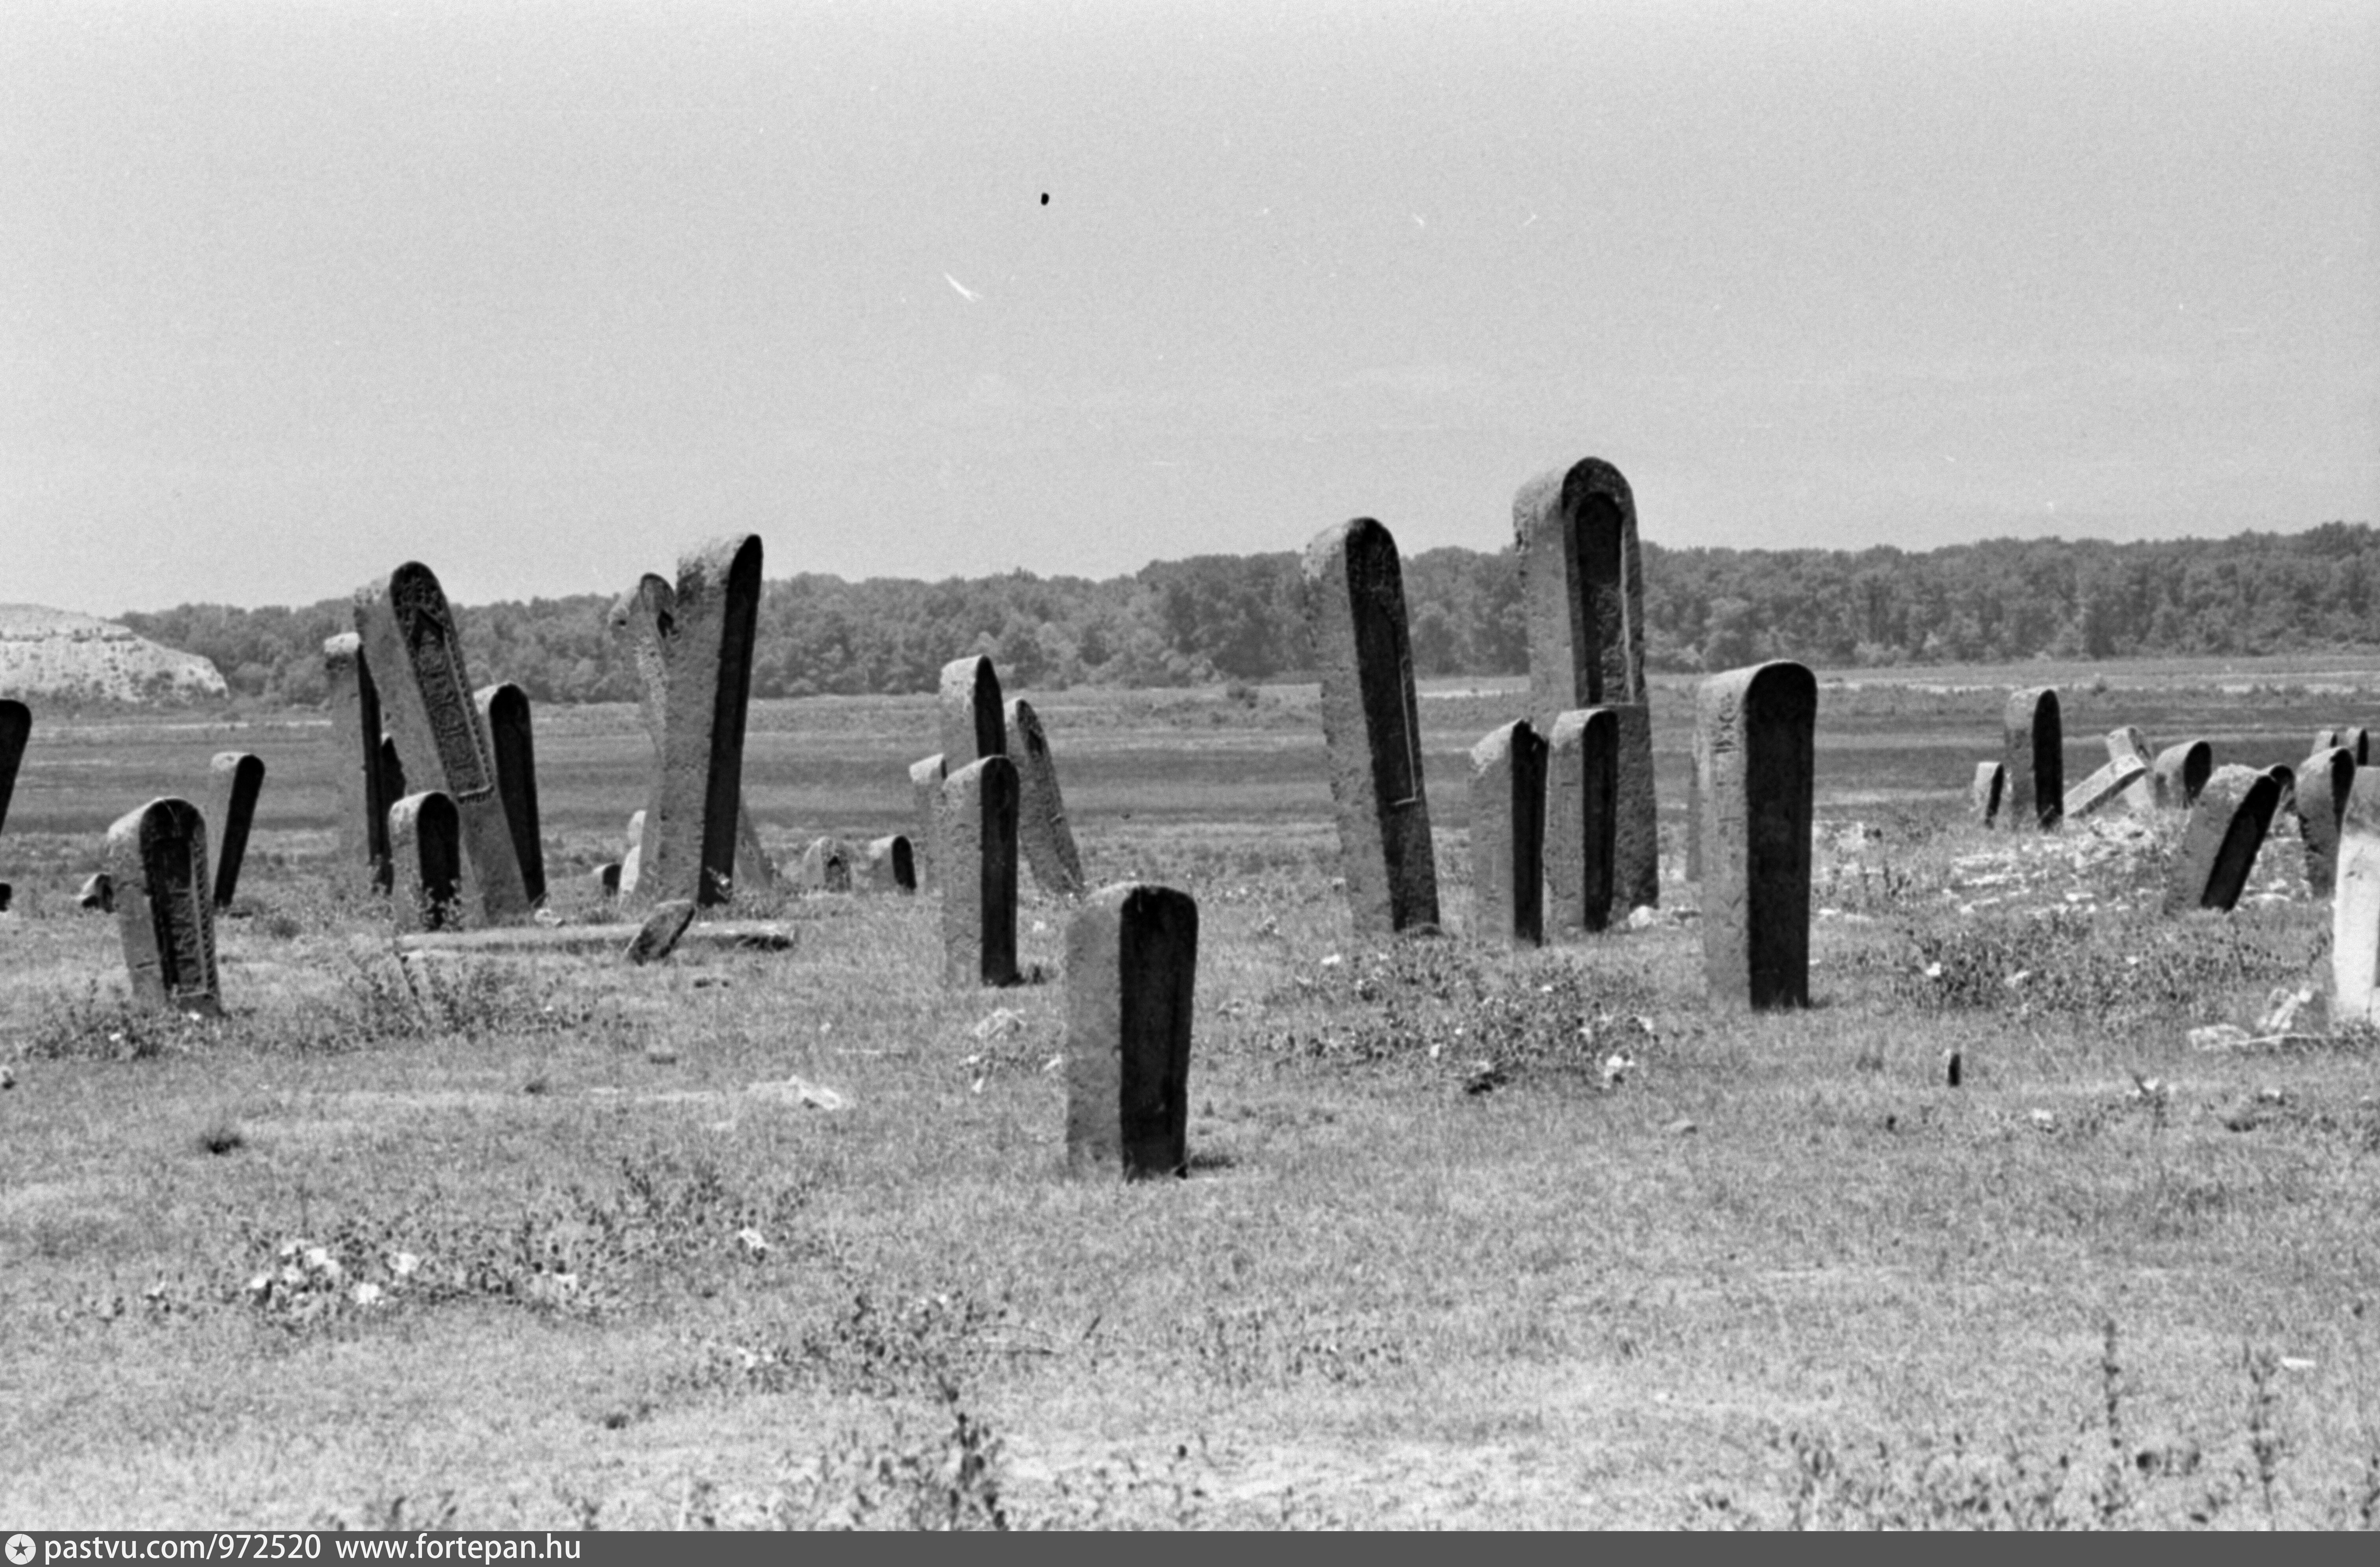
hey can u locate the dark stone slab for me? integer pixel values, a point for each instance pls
(1043, 835)
(977, 839)
(597, 940)
(425, 847)
(1371, 726)
(362, 779)
(2034, 796)
(1754, 730)
(1132, 967)
(926, 793)
(157, 864)
(2355, 906)
(973, 724)
(234, 780)
(2285, 778)
(15, 728)
(414, 652)
(696, 795)
(826, 865)
(888, 865)
(1508, 835)
(504, 709)
(2218, 848)
(658, 937)
(2182, 772)
(2325, 780)
(1581, 759)
(1983, 794)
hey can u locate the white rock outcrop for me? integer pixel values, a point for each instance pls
(59, 655)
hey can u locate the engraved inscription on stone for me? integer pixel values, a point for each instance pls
(421, 614)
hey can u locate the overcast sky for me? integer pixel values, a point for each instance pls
(543, 294)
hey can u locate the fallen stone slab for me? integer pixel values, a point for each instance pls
(596, 940)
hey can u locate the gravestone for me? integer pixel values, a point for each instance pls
(157, 866)
(1132, 966)
(2034, 796)
(15, 727)
(926, 792)
(504, 709)
(606, 877)
(826, 865)
(888, 865)
(1984, 795)
(98, 893)
(2285, 795)
(2102, 788)
(362, 769)
(2357, 743)
(234, 780)
(662, 930)
(973, 724)
(1582, 776)
(632, 856)
(1371, 726)
(1508, 836)
(976, 841)
(1753, 736)
(1047, 841)
(1582, 589)
(392, 771)
(692, 809)
(425, 846)
(2183, 771)
(2325, 780)
(2218, 848)
(2355, 906)
(2130, 745)
(414, 652)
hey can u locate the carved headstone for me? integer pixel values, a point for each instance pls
(2034, 797)
(1131, 965)
(1984, 795)
(2355, 906)
(2130, 745)
(1583, 586)
(1755, 732)
(973, 724)
(926, 792)
(888, 865)
(425, 844)
(2102, 788)
(976, 841)
(504, 709)
(15, 727)
(234, 781)
(1582, 776)
(2183, 771)
(1508, 835)
(157, 865)
(414, 652)
(362, 778)
(1042, 833)
(1371, 726)
(826, 865)
(2325, 780)
(698, 791)
(2218, 848)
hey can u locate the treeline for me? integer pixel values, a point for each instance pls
(1237, 617)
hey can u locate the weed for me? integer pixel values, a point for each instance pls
(950, 1480)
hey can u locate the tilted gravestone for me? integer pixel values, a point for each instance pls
(1983, 794)
(425, 846)
(1582, 588)
(414, 652)
(826, 865)
(2129, 744)
(1132, 966)
(2218, 848)
(1754, 734)
(2355, 906)
(2325, 781)
(1582, 776)
(366, 786)
(977, 840)
(926, 778)
(974, 725)
(661, 932)
(642, 620)
(2355, 742)
(234, 780)
(692, 806)
(15, 727)
(157, 866)
(2034, 797)
(1371, 726)
(504, 709)
(1508, 835)
(2102, 788)
(887, 865)
(2182, 772)
(1042, 833)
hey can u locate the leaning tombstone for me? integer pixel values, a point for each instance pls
(661, 932)
(976, 841)
(2183, 771)
(414, 652)
(826, 865)
(1582, 588)
(2102, 788)
(2355, 906)
(15, 727)
(973, 723)
(2325, 780)
(363, 779)
(503, 708)
(1132, 966)
(1371, 726)
(157, 865)
(1581, 773)
(1754, 738)
(2034, 795)
(1046, 841)
(234, 780)
(1983, 794)
(425, 846)
(887, 865)
(926, 778)
(1508, 834)
(2130, 745)
(2218, 848)
(632, 857)
(698, 791)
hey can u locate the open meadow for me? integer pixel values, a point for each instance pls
(1470, 1237)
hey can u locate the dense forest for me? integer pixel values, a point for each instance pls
(1236, 617)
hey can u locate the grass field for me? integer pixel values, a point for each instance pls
(1471, 1238)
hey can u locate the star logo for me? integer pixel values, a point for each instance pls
(21, 1549)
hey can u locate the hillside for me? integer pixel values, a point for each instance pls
(55, 655)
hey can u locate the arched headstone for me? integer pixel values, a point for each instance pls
(165, 908)
(234, 781)
(425, 847)
(888, 865)
(826, 865)
(1581, 779)
(694, 809)
(2182, 772)
(977, 840)
(1131, 965)
(2324, 783)
(2218, 848)
(973, 723)
(503, 708)
(1508, 836)
(1755, 733)
(2034, 797)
